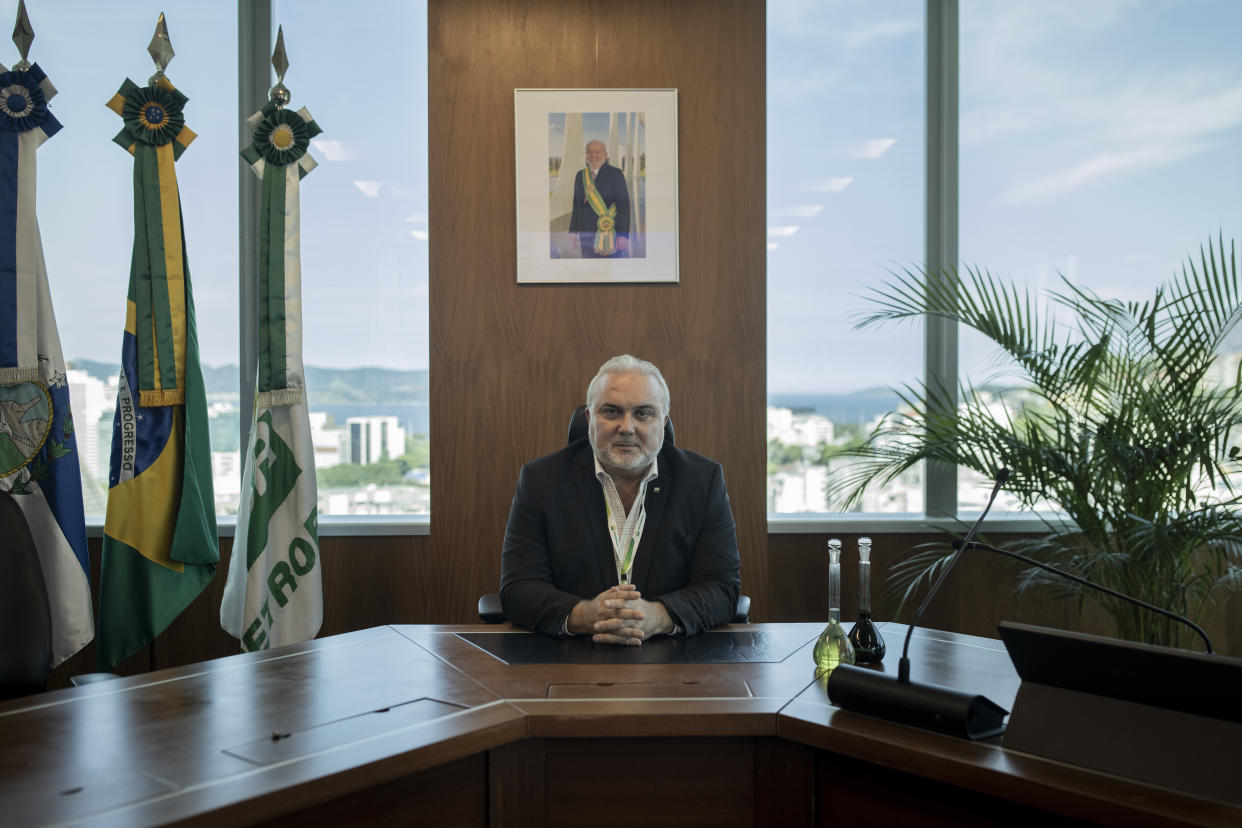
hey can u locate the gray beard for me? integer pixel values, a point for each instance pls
(631, 464)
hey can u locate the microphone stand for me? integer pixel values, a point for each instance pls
(923, 705)
(903, 666)
(1207, 642)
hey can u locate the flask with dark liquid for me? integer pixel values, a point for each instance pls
(867, 641)
(833, 646)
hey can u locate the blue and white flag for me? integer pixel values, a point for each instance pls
(38, 450)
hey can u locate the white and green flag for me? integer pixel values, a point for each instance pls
(274, 593)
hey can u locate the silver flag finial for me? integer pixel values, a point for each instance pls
(161, 50)
(23, 36)
(280, 62)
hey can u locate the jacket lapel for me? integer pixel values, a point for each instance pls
(657, 497)
(591, 496)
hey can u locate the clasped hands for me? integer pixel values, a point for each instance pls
(620, 615)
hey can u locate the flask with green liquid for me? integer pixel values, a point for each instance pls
(833, 646)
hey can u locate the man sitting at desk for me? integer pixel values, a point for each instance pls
(618, 535)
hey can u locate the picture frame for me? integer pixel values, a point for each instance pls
(617, 226)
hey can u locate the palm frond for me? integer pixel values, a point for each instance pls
(1115, 420)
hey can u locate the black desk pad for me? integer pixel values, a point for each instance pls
(724, 647)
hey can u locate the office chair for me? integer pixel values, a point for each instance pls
(490, 610)
(25, 612)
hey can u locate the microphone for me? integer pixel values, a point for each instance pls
(1207, 642)
(923, 705)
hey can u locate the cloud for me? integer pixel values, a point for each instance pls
(421, 235)
(782, 232)
(978, 126)
(370, 189)
(1179, 111)
(816, 21)
(417, 217)
(884, 30)
(331, 150)
(800, 211)
(826, 185)
(806, 83)
(1037, 190)
(872, 148)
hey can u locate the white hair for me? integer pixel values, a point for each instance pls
(626, 364)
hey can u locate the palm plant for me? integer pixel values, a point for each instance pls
(1121, 421)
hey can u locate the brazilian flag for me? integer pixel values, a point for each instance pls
(160, 546)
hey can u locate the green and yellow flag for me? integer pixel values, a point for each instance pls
(160, 545)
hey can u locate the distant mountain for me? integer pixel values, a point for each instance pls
(340, 386)
(99, 370)
(327, 386)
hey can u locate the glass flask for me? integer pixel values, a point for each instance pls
(833, 646)
(867, 641)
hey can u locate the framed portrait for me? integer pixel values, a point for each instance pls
(596, 185)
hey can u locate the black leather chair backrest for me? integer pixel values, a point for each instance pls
(578, 427)
(25, 614)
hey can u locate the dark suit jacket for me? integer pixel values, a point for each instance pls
(557, 550)
(610, 182)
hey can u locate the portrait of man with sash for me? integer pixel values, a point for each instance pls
(596, 175)
(599, 225)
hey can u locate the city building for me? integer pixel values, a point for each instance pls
(372, 439)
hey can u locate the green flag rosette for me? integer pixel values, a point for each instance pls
(152, 114)
(282, 137)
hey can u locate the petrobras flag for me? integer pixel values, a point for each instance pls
(274, 593)
(160, 545)
(38, 449)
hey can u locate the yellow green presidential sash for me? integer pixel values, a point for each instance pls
(606, 216)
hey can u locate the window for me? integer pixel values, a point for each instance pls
(845, 198)
(364, 249)
(1096, 140)
(86, 218)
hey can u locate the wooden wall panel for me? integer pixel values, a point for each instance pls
(510, 362)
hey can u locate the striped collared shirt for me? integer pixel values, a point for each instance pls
(613, 497)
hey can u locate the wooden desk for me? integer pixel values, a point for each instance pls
(417, 725)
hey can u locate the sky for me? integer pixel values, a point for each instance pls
(1099, 140)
